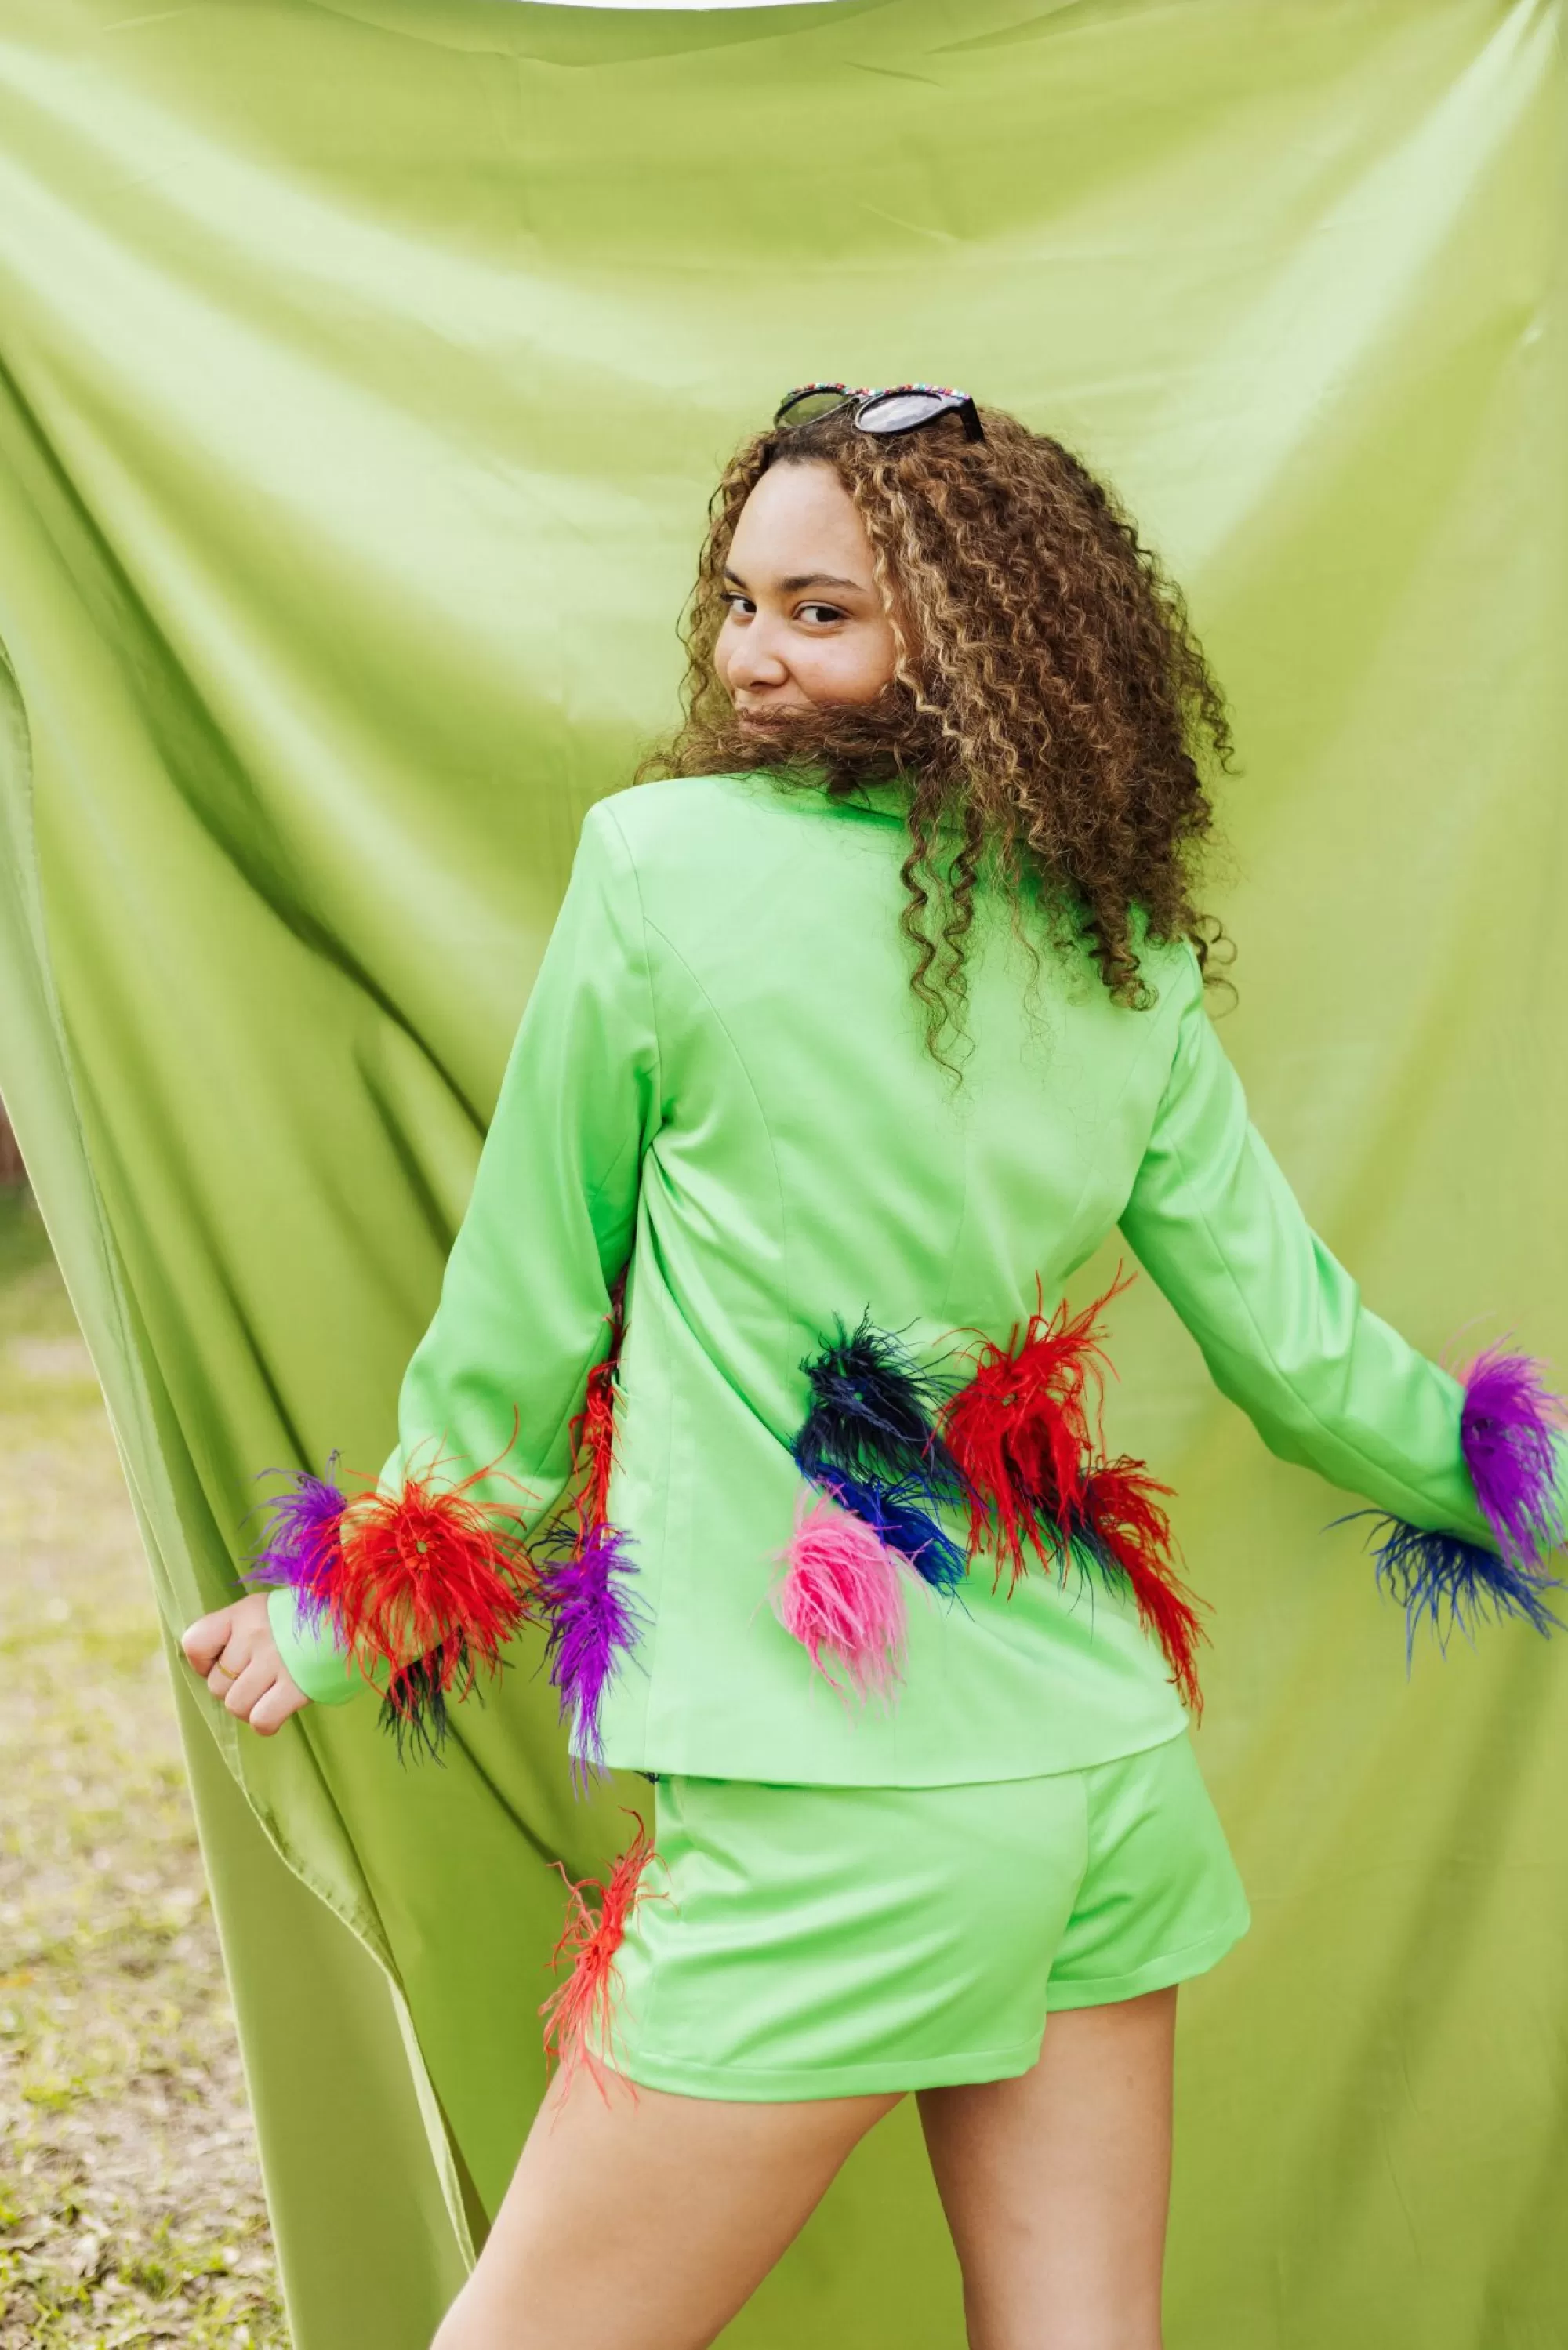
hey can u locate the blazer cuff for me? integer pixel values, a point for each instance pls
(311, 1656)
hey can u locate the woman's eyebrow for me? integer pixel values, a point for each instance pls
(799, 579)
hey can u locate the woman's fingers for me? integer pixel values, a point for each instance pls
(239, 1651)
(205, 1640)
(250, 1683)
(273, 1708)
(235, 1651)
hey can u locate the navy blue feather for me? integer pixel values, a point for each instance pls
(415, 1711)
(896, 1517)
(1453, 1582)
(872, 1417)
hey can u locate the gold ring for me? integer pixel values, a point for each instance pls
(228, 1676)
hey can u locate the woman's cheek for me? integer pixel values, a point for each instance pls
(854, 673)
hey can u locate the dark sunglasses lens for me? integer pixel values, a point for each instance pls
(805, 407)
(900, 411)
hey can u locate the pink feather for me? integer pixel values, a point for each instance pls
(842, 1598)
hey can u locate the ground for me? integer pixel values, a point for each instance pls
(131, 2202)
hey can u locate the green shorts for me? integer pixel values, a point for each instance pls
(793, 1942)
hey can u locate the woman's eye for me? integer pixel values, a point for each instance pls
(736, 601)
(820, 614)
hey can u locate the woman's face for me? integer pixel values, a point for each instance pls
(805, 622)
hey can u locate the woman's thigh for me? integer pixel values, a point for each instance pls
(644, 2222)
(1056, 2185)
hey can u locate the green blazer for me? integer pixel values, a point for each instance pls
(720, 1077)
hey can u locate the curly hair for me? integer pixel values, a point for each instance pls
(1049, 702)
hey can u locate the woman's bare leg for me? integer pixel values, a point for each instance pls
(646, 2223)
(1057, 2186)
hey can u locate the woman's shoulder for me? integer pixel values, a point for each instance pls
(684, 802)
(679, 822)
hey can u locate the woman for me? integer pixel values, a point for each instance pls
(864, 1023)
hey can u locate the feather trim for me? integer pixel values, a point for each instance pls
(300, 1547)
(872, 1417)
(1507, 1429)
(1130, 1535)
(842, 1598)
(1507, 1433)
(595, 1622)
(416, 1707)
(431, 1569)
(592, 1434)
(1022, 1429)
(897, 1515)
(427, 1584)
(590, 1939)
(1453, 1583)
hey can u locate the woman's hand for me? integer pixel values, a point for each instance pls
(234, 1652)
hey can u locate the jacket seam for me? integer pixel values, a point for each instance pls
(645, 925)
(1139, 1057)
(722, 1027)
(658, 1609)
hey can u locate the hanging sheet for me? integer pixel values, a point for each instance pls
(366, 369)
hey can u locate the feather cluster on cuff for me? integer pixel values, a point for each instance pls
(424, 1585)
(1508, 1432)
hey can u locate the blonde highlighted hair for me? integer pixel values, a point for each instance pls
(1050, 702)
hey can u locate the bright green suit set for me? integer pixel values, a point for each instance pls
(720, 1085)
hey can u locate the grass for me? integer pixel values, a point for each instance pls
(131, 2201)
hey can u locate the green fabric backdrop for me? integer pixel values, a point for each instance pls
(366, 366)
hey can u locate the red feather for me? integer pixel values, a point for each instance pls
(593, 1430)
(433, 1574)
(1024, 1428)
(590, 1939)
(1129, 1531)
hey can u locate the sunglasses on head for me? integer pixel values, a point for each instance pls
(902, 408)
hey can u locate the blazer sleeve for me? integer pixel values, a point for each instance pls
(1279, 1320)
(525, 1302)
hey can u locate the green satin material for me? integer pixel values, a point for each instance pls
(720, 1075)
(797, 1941)
(311, 1657)
(366, 369)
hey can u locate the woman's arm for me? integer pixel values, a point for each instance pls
(1472, 1461)
(434, 1558)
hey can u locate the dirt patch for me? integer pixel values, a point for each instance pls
(131, 2200)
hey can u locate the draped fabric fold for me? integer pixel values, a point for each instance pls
(364, 371)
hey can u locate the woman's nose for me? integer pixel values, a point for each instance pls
(757, 660)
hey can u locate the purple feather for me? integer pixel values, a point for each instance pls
(1453, 1582)
(594, 1622)
(1506, 1430)
(299, 1546)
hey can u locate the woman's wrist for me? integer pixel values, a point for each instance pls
(310, 1653)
